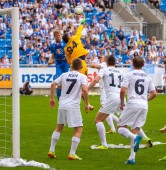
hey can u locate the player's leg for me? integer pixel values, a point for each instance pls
(84, 71)
(75, 142)
(110, 122)
(131, 159)
(129, 117)
(145, 138)
(55, 137)
(61, 122)
(74, 119)
(101, 129)
(59, 71)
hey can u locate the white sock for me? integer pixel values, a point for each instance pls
(101, 130)
(110, 122)
(132, 153)
(54, 139)
(115, 118)
(74, 145)
(141, 132)
(125, 132)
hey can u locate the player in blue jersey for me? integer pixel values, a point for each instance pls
(59, 58)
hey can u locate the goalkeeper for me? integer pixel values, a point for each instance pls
(75, 49)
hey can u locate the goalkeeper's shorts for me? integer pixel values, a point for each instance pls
(84, 69)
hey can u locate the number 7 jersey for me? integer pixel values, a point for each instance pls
(71, 93)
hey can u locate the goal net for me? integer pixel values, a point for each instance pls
(9, 94)
(9, 100)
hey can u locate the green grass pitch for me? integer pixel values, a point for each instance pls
(38, 122)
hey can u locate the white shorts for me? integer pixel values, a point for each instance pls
(133, 117)
(102, 96)
(110, 105)
(70, 116)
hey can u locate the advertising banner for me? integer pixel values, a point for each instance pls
(5, 78)
(42, 77)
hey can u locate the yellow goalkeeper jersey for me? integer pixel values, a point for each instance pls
(74, 48)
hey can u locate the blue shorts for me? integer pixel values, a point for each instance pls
(61, 67)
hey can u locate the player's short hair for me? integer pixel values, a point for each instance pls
(111, 60)
(57, 32)
(138, 62)
(65, 37)
(77, 64)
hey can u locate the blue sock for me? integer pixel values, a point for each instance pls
(58, 92)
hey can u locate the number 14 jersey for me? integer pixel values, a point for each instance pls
(71, 83)
(138, 84)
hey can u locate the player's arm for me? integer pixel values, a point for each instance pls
(98, 66)
(152, 95)
(94, 82)
(85, 95)
(152, 90)
(122, 97)
(52, 60)
(79, 31)
(52, 100)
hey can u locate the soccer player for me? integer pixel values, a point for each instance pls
(111, 117)
(73, 84)
(111, 78)
(59, 57)
(75, 49)
(134, 114)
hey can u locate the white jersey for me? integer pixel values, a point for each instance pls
(71, 83)
(138, 84)
(102, 65)
(112, 78)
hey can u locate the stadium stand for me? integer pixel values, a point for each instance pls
(39, 19)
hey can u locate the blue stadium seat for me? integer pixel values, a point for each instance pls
(2, 42)
(108, 31)
(9, 30)
(8, 42)
(163, 7)
(88, 21)
(2, 53)
(9, 55)
(8, 35)
(143, 37)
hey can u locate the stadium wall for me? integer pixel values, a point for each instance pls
(40, 78)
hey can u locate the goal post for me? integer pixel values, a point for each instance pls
(14, 13)
(15, 84)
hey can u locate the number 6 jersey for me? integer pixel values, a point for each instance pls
(138, 84)
(71, 83)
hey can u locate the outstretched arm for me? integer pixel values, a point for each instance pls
(98, 66)
(94, 82)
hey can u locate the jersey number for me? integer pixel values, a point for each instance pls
(113, 83)
(139, 88)
(70, 49)
(73, 82)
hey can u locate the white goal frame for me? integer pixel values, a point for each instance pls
(15, 80)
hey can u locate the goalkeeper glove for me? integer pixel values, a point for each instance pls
(83, 21)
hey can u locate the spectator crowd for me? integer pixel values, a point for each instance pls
(39, 20)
